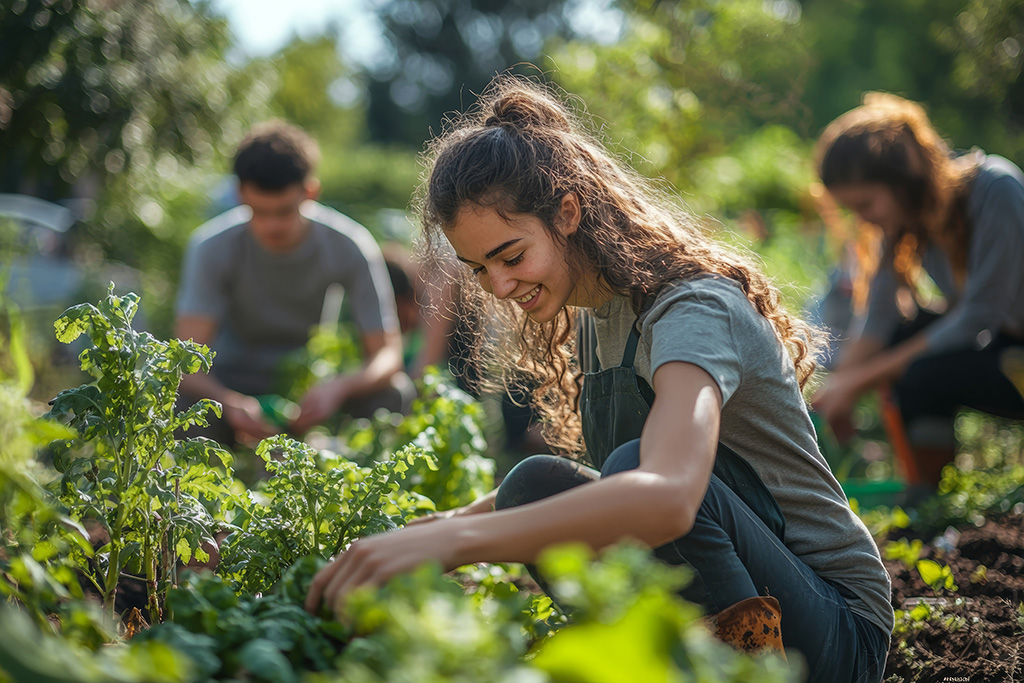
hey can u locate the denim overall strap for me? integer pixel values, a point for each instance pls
(615, 404)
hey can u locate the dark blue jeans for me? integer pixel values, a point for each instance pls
(734, 556)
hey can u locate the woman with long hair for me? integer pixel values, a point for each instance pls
(958, 218)
(701, 443)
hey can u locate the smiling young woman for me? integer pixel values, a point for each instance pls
(701, 443)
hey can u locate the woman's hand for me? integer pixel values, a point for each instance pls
(835, 400)
(372, 560)
(436, 516)
(480, 505)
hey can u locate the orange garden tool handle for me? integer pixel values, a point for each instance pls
(892, 421)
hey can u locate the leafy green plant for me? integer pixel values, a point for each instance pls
(446, 423)
(35, 535)
(124, 470)
(314, 506)
(627, 624)
(330, 350)
(28, 653)
(968, 496)
(259, 638)
(911, 620)
(626, 608)
(882, 521)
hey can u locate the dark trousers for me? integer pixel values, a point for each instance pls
(936, 385)
(734, 556)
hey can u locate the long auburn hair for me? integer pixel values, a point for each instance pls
(520, 150)
(890, 140)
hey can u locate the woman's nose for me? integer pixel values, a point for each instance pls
(502, 286)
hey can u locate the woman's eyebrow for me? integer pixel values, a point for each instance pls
(500, 248)
(493, 252)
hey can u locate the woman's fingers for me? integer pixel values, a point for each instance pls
(375, 559)
(320, 581)
(355, 567)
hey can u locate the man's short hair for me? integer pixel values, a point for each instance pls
(275, 155)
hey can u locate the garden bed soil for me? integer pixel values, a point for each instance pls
(979, 637)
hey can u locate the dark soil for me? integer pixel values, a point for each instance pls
(976, 633)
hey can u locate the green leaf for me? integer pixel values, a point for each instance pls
(183, 550)
(75, 322)
(638, 647)
(935, 575)
(265, 662)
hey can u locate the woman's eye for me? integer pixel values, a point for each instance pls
(515, 259)
(477, 271)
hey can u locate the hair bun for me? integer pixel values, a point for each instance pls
(523, 108)
(893, 108)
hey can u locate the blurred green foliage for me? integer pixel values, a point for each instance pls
(129, 105)
(441, 53)
(446, 423)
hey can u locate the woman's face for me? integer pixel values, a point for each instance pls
(874, 203)
(518, 258)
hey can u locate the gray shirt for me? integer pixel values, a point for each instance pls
(710, 323)
(992, 298)
(266, 303)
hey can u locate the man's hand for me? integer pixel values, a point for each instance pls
(245, 416)
(319, 403)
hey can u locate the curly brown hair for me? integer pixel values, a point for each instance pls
(890, 140)
(520, 150)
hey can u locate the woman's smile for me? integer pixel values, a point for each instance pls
(528, 300)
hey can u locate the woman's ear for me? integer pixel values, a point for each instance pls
(569, 214)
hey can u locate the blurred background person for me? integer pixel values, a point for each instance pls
(960, 220)
(254, 282)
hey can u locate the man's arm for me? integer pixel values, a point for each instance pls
(242, 412)
(383, 353)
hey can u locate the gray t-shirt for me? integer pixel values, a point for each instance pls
(710, 323)
(992, 298)
(266, 303)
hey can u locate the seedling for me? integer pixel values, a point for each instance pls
(938, 576)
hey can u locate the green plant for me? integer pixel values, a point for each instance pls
(243, 637)
(446, 423)
(124, 470)
(882, 521)
(628, 623)
(35, 535)
(331, 349)
(938, 576)
(28, 653)
(314, 506)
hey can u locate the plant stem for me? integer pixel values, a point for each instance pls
(150, 563)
